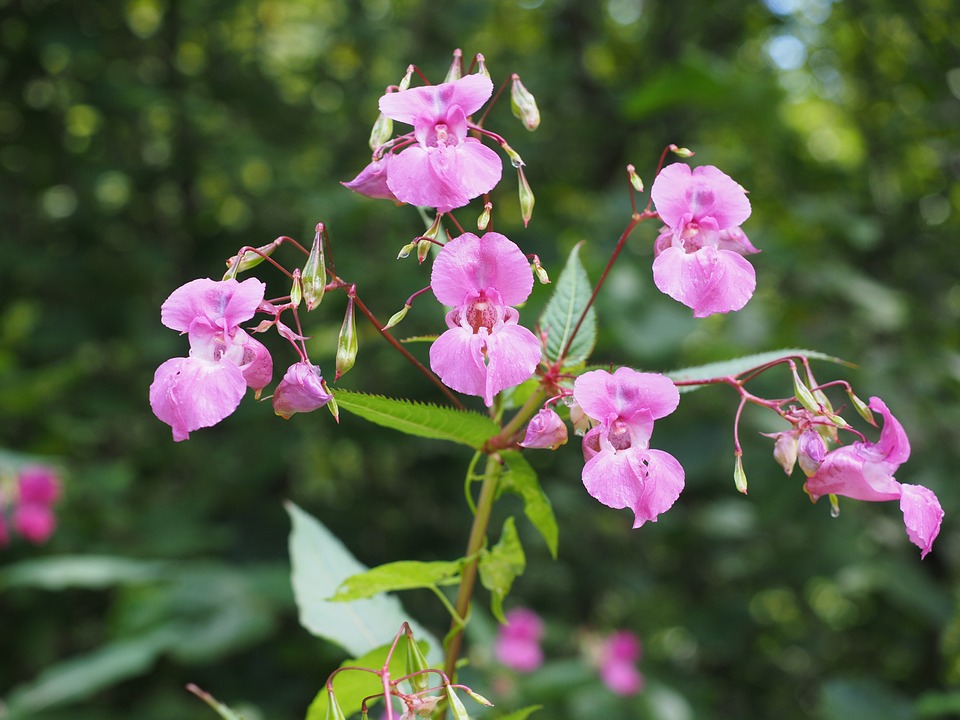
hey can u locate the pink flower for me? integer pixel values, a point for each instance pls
(545, 430)
(621, 470)
(618, 663)
(445, 169)
(301, 390)
(38, 484)
(518, 643)
(864, 471)
(372, 180)
(485, 350)
(699, 255)
(34, 521)
(201, 390)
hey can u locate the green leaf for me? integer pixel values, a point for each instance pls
(501, 565)
(522, 713)
(320, 564)
(563, 310)
(738, 366)
(401, 575)
(352, 686)
(83, 571)
(422, 420)
(521, 479)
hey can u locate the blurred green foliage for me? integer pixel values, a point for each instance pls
(144, 141)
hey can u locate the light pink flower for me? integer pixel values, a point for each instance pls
(518, 642)
(618, 663)
(372, 180)
(445, 168)
(621, 470)
(545, 430)
(864, 471)
(301, 390)
(699, 254)
(201, 390)
(485, 350)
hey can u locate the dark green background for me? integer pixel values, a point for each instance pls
(143, 142)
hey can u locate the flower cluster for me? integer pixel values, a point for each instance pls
(38, 489)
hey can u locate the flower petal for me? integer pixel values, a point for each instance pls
(703, 192)
(468, 264)
(922, 515)
(191, 393)
(893, 447)
(625, 392)
(646, 481)
(222, 304)
(708, 280)
(457, 357)
(513, 353)
(469, 92)
(301, 390)
(846, 472)
(372, 180)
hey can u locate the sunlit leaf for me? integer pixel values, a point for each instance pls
(560, 316)
(401, 575)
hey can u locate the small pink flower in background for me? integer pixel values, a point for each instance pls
(201, 390)
(621, 470)
(484, 350)
(34, 522)
(545, 430)
(38, 484)
(864, 471)
(445, 168)
(618, 663)
(301, 390)
(4, 532)
(518, 643)
(699, 254)
(38, 489)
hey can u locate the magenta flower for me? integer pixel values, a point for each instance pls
(545, 430)
(864, 471)
(301, 390)
(485, 350)
(34, 521)
(38, 484)
(445, 169)
(518, 642)
(621, 470)
(618, 663)
(372, 180)
(201, 390)
(699, 254)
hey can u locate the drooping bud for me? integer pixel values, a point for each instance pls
(785, 451)
(523, 104)
(545, 430)
(347, 345)
(332, 405)
(811, 450)
(250, 259)
(539, 271)
(482, 67)
(406, 250)
(456, 705)
(397, 317)
(296, 289)
(862, 408)
(526, 198)
(681, 151)
(405, 83)
(739, 476)
(382, 131)
(423, 250)
(455, 72)
(581, 423)
(479, 698)
(484, 220)
(314, 275)
(514, 156)
(803, 394)
(635, 180)
(301, 390)
(834, 505)
(416, 665)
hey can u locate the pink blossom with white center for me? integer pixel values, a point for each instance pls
(621, 470)
(445, 169)
(699, 254)
(864, 471)
(618, 663)
(485, 350)
(201, 390)
(517, 645)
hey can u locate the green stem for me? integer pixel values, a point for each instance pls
(478, 538)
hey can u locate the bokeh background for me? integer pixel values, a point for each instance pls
(143, 142)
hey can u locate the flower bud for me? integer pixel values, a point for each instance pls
(397, 317)
(811, 450)
(803, 394)
(456, 705)
(539, 271)
(484, 220)
(581, 423)
(301, 390)
(785, 451)
(382, 131)
(739, 476)
(455, 72)
(523, 104)
(249, 259)
(862, 408)
(405, 83)
(681, 151)
(635, 180)
(314, 275)
(347, 342)
(296, 289)
(526, 198)
(482, 67)
(545, 430)
(514, 156)
(416, 665)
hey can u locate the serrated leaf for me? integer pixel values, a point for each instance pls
(420, 419)
(738, 366)
(570, 296)
(353, 686)
(521, 479)
(400, 575)
(320, 564)
(501, 565)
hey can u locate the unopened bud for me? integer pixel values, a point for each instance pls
(834, 505)
(479, 698)
(526, 198)
(416, 666)
(250, 259)
(347, 342)
(397, 317)
(862, 408)
(382, 131)
(540, 272)
(455, 72)
(332, 405)
(334, 711)
(523, 104)
(406, 250)
(739, 476)
(545, 430)
(484, 220)
(785, 451)
(635, 180)
(514, 156)
(434, 228)
(405, 83)
(423, 250)
(804, 396)
(296, 290)
(456, 705)
(681, 151)
(482, 67)
(313, 278)
(811, 450)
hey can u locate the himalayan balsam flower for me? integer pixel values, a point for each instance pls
(621, 470)
(618, 663)
(301, 390)
(518, 642)
(34, 522)
(699, 254)
(864, 471)
(201, 390)
(485, 350)
(545, 430)
(445, 168)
